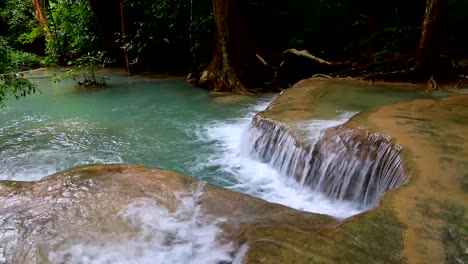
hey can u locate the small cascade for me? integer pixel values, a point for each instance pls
(342, 163)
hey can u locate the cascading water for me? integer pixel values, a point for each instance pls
(249, 171)
(310, 167)
(81, 221)
(344, 164)
(162, 237)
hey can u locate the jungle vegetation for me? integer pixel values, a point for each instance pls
(241, 46)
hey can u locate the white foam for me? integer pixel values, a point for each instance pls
(42, 146)
(162, 237)
(232, 156)
(241, 253)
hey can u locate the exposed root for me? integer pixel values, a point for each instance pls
(245, 91)
(224, 81)
(375, 68)
(318, 67)
(307, 55)
(394, 76)
(432, 84)
(263, 61)
(319, 75)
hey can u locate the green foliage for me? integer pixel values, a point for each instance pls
(202, 34)
(30, 37)
(166, 33)
(457, 27)
(19, 17)
(454, 233)
(12, 83)
(177, 35)
(84, 69)
(16, 85)
(4, 59)
(20, 60)
(73, 29)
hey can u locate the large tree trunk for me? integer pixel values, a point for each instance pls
(222, 73)
(123, 36)
(41, 17)
(39, 14)
(432, 39)
(238, 61)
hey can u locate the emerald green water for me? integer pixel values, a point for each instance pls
(168, 124)
(136, 120)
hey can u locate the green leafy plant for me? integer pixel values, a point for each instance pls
(12, 84)
(21, 60)
(164, 33)
(73, 29)
(16, 85)
(19, 18)
(83, 70)
(31, 36)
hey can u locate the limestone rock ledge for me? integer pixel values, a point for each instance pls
(82, 204)
(423, 221)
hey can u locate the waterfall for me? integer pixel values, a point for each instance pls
(343, 163)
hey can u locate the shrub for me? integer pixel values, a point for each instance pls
(21, 61)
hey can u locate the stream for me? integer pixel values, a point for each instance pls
(167, 124)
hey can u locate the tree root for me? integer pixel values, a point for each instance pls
(319, 67)
(305, 54)
(319, 75)
(432, 84)
(223, 81)
(376, 68)
(395, 76)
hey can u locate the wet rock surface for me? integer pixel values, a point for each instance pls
(67, 216)
(425, 219)
(128, 214)
(434, 205)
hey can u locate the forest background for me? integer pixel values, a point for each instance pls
(239, 45)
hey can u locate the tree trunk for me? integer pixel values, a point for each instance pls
(39, 14)
(222, 72)
(432, 38)
(238, 61)
(41, 17)
(123, 37)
